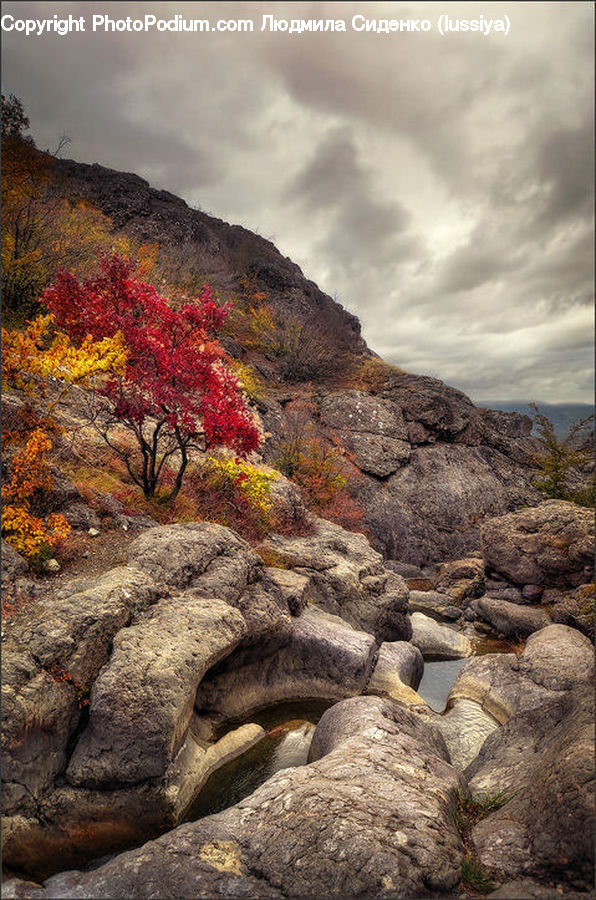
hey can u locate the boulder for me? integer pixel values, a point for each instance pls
(79, 515)
(576, 609)
(370, 816)
(510, 619)
(438, 641)
(464, 726)
(347, 578)
(431, 509)
(542, 761)
(397, 674)
(550, 545)
(554, 659)
(204, 556)
(325, 658)
(13, 564)
(142, 701)
(359, 412)
(440, 606)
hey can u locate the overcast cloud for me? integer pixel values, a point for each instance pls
(440, 187)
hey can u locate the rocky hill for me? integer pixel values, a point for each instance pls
(430, 464)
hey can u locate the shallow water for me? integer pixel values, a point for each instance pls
(290, 730)
(438, 680)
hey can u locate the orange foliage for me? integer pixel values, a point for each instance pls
(27, 533)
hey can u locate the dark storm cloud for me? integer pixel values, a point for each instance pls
(357, 225)
(441, 187)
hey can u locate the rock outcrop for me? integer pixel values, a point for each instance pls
(438, 641)
(550, 545)
(347, 578)
(542, 761)
(360, 820)
(111, 696)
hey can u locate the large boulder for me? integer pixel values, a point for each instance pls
(431, 509)
(510, 619)
(542, 763)
(555, 659)
(575, 608)
(370, 816)
(550, 545)
(373, 430)
(142, 702)
(347, 578)
(438, 641)
(325, 658)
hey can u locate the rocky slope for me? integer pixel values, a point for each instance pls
(432, 465)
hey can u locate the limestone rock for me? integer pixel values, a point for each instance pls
(431, 508)
(324, 659)
(200, 555)
(294, 588)
(142, 701)
(510, 619)
(545, 760)
(347, 578)
(465, 727)
(554, 659)
(362, 413)
(13, 564)
(576, 609)
(371, 816)
(79, 515)
(438, 641)
(549, 545)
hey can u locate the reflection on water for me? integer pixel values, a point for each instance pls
(438, 680)
(286, 744)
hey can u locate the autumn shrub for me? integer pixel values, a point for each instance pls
(32, 359)
(176, 393)
(309, 351)
(371, 374)
(234, 493)
(31, 534)
(560, 462)
(323, 477)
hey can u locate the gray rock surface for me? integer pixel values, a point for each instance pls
(576, 609)
(431, 508)
(324, 659)
(360, 820)
(347, 578)
(554, 659)
(142, 701)
(13, 563)
(510, 619)
(465, 726)
(438, 641)
(549, 545)
(544, 760)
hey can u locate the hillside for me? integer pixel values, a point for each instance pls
(420, 463)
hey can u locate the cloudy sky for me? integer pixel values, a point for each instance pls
(440, 187)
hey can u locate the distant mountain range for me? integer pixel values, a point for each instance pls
(562, 415)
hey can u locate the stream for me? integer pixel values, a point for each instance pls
(290, 727)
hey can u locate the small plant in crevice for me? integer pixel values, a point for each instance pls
(467, 812)
(474, 877)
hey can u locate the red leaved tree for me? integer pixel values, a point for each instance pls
(176, 392)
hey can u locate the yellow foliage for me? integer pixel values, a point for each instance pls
(250, 382)
(26, 364)
(252, 484)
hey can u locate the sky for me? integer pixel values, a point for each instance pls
(438, 186)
